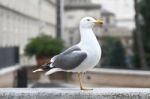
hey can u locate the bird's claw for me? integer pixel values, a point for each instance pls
(85, 89)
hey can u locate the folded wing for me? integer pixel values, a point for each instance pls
(70, 58)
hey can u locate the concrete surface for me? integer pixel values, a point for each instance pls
(74, 93)
(53, 85)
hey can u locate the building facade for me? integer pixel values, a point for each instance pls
(21, 20)
(74, 11)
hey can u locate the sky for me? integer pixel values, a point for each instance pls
(123, 9)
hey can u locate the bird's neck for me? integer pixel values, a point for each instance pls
(87, 36)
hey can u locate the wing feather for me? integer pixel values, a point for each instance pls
(70, 58)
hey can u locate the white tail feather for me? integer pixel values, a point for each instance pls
(37, 70)
(53, 70)
(53, 59)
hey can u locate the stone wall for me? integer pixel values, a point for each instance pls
(116, 77)
(70, 93)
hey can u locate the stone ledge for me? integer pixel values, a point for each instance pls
(74, 93)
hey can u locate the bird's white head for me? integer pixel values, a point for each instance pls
(89, 22)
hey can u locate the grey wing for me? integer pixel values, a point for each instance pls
(70, 60)
(69, 50)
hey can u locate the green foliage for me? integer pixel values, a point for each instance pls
(136, 58)
(113, 53)
(44, 46)
(145, 28)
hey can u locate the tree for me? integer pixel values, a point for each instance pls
(44, 46)
(145, 29)
(139, 37)
(136, 57)
(113, 53)
(117, 58)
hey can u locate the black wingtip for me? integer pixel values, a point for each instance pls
(46, 66)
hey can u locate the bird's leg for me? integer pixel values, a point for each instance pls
(81, 85)
(79, 77)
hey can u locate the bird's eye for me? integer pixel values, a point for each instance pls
(88, 19)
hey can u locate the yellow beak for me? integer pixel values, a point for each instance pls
(99, 22)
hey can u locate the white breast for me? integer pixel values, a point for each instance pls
(90, 45)
(93, 57)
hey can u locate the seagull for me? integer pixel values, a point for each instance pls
(81, 57)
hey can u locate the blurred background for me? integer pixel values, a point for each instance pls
(32, 31)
